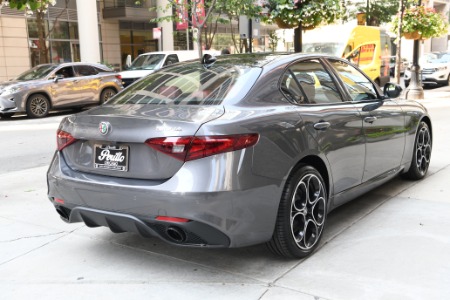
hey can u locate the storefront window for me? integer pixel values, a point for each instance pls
(60, 52)
(59, 30)
(33, 28)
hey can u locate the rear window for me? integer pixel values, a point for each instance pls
(191, 84)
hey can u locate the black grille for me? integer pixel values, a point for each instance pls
(127, 81)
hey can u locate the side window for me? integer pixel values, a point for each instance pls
(84, 70)
(67, 72)
(171, 59)
(308, 82)
(362, 56)
(357, 85)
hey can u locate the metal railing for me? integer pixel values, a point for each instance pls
(123, 3)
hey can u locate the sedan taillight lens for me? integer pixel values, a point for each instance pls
(193, 147)
(64, 139)
(119, 77)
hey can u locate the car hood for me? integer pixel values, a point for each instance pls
(435, 65)
(6, 84)
(135, 73)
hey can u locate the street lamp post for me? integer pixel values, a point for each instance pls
(415, 90)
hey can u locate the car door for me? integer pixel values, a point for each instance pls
(334, 124)
(383, 121)
(88, 85)
(63, 89)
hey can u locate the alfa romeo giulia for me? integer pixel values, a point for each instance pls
(237, 150)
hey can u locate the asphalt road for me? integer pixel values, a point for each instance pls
(392, 243)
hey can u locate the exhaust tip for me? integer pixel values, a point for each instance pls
(176, 234)
(63, 213)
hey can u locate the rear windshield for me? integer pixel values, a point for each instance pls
(191, 84)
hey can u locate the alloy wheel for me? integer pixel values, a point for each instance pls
(39, 106)
(423, 150)
(308, 212)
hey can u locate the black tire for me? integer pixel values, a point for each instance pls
(6, 115)
(448, 81)
(38, 106)
(301, 214)
(421, 153)
(106, 95)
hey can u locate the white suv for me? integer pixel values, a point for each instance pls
(435, 69)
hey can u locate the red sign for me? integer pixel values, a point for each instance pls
(182, 15)
(199, 11)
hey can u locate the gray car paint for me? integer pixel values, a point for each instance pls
(238, 192)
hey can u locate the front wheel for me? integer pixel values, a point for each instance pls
(107, 94)
(38, 106)
(422, 153)
(301, 214)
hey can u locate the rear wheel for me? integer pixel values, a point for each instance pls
(301, 214)
(38, 106)
(107, 94)
(422, 153)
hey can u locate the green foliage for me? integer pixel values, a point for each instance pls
(309, 12)
(380, 11)
(27, 4)
(424, 20)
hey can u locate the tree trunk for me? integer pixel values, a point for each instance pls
(398, 56)
(42, 46)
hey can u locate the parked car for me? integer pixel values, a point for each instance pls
(55, 86)
(403, 65)
(240, 150)
(149, 62)
(435, 69)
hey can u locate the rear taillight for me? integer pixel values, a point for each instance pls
(64, 139)
(192, 147)
(119, 77)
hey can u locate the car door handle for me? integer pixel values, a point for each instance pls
(370, 119)
(321, 125)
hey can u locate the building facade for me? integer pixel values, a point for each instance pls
(104, 31)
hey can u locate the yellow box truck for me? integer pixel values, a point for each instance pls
(368, 47)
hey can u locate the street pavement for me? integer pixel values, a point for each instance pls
(392, 243)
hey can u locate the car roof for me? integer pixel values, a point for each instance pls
(76, 64)
(263, 59)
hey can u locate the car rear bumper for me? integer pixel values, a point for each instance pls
(238, 216)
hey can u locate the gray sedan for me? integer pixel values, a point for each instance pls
(239, 150)
(53, 86)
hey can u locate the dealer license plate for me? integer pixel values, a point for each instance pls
(108, 157)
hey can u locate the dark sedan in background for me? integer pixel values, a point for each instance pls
(52, 86)
(239, 150)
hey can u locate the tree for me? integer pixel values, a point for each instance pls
(28, 4)
(380, 11)
(194, 12)
(302, 15)
(38, 8)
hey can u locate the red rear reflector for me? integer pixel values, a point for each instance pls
(172, 219)
(64, 139)
(58, 200)
(191, 148)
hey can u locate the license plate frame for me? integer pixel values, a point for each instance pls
(111, 157)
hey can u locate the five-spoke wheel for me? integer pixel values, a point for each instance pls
(422, 153)
(301, 215)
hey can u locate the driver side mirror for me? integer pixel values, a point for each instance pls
(58, 77)
(392, 90)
